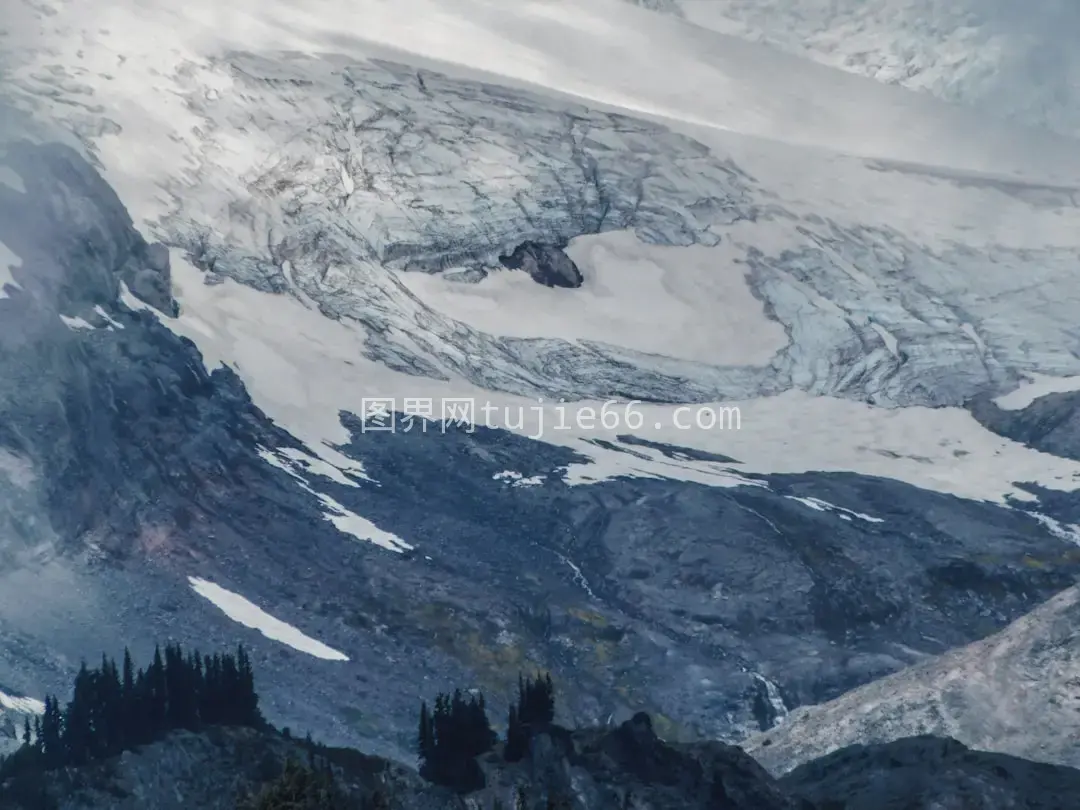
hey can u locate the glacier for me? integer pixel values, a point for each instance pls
(235, 225)
(1008, 58)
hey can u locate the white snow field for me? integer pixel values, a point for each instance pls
(247, 613)
(846, 262)
(21, 704)
(691, 303)
(8, 260)
(1011, 58)
(302, 368)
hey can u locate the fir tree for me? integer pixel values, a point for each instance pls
(451, 737)
(535, 709)
(110, 712)
(425, 738)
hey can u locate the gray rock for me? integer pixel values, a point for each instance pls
(932, 773)
(547, 264)
(1014, 693)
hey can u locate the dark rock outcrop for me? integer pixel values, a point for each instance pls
(596, 769)
(629, 766)
(623, 768)
(932, 773)
(1050, 424)
(547, 264)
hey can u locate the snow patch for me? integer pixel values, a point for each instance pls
(1039, 385)
(1069, 532)
(516, 479)
(302, 369)
(359, 527)
(21, 704)
(339, 474)
(8, 261)
(77, 323)
(109, 320)
(825, 506)
(247, 613)
(691, 303)
(345, 520)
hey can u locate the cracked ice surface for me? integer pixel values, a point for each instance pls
(341, 172)
(329, 180)
(325, 177)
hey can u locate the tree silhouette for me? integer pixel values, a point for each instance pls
(534, 710)
(451, 737)
(112, 710)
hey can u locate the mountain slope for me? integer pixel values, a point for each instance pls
(1011, 59)
(1014, 692)
(600, 769)
(194, 330)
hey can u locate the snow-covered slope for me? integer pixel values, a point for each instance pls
(1015, 59)
(327, 202)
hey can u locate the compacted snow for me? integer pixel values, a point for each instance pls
(251, 615)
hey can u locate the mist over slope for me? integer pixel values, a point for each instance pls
(227, 230)
(1012, 59)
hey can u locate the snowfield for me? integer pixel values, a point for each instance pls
(1011, 58)
(239, 609)
(315, 180)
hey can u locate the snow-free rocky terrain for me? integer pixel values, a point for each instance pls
(221, 229)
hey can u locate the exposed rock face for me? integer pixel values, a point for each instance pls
(127, 467)
(1051, 423)
(547, 264)
(630, 766)
(592, 769)
(587, 770)
(931, 772)
(129, 462)
(1013, 693)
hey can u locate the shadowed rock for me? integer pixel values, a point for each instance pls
(547, 264)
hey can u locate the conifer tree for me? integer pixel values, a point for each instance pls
(247, 697)
(77, 735)
(51, 728)
(425, 738)
(110, 712)
(157, 696)
(535, 709)
(450, 738)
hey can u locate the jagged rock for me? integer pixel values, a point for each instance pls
(1013, 693)
(547, 264)
(932, 773)
(1051, 423)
